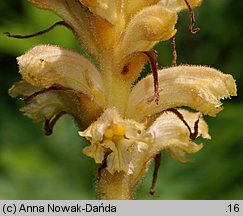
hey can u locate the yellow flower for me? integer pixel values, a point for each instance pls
(127, 124)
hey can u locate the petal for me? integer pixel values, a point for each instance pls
(148, 27)
(45, 107)
(169, 132)
(107, 9)
(44, 66)
(76, 16)
(119, 159)
(132, 7)
(179, 5)
(95, 132)
(96, 151)
(130, 67)
(191, 118)
(105, 36)
(198, 87)
(122, 150)
(48, 105)
(22, 88)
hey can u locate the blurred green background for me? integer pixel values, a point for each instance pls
(33, 166)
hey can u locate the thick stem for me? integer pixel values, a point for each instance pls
(113, 187)
(116, 89)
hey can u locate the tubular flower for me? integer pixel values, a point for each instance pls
(127, 124)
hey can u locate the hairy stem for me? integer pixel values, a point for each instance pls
(113, 187)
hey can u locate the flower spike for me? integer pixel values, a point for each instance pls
(127, 121)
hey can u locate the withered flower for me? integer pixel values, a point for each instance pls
(127, 124)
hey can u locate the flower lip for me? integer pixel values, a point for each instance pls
(123, 138)
(45, 66)
(197, 87)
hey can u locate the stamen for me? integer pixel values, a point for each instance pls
(119, 130)
(49, 124)
(109, 133)
(173, 46)
(152, 56)
(114, 129)
(60, 23)
(191, 27)
(52, 88)
(157, 161)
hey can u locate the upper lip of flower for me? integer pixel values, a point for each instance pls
(85, 90)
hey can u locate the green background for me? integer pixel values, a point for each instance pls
(33, 166)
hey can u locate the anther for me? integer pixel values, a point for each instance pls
(119, 130)
(114, 129)
(109, 133)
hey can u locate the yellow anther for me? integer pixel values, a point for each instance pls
(119, 130)
(114, 129)
(109, 132)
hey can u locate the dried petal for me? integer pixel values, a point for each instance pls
(200, 88)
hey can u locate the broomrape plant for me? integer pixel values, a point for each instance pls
(127, 122)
